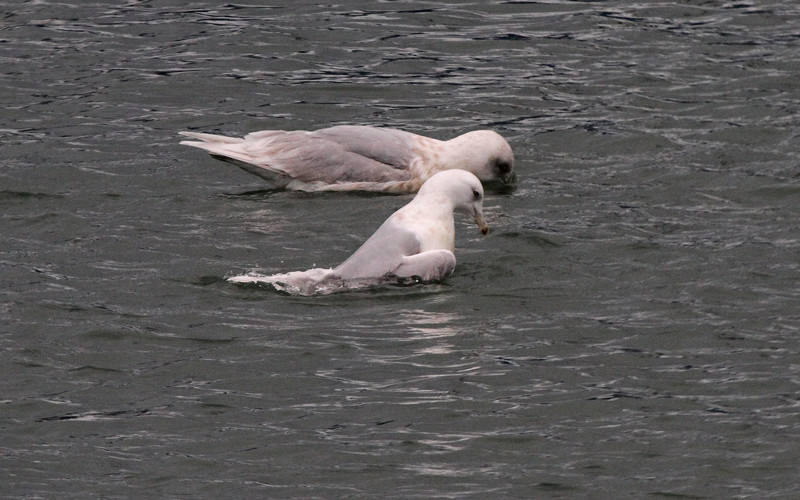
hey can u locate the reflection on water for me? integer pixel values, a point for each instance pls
(428, 324)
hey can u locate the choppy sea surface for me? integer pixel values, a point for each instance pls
(630, 328)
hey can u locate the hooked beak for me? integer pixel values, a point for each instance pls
(481, 222)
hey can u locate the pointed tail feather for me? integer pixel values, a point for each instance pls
(218, 145)
(223, 150)
(231, 150)
(210, 138)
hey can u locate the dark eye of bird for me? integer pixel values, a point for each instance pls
(503, 167)
(476, 194)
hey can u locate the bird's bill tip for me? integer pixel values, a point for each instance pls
(509, 178)
(481, 222)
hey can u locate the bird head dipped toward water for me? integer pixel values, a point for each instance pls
(485, 153)
(461, 189)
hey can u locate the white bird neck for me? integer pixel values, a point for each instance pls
(438, 230)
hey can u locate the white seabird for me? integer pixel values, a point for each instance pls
(416, 241)
(350, 158)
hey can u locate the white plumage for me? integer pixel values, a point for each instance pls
(347, 157)
(416, 241)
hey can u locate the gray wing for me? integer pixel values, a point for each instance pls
(381, 254)
(317, 158)
(429, 266)
(388, 146)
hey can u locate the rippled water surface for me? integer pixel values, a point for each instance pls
(629, 328)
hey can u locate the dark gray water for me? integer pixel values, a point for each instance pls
(630, 328)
